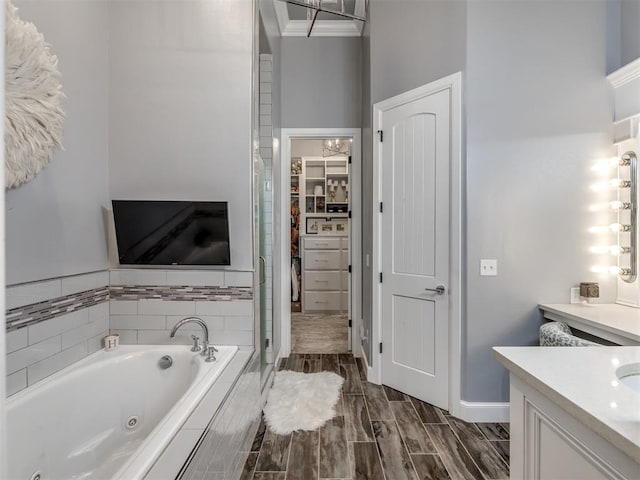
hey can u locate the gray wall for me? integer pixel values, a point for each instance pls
(321, 82)
(407, 47)
(538, 116)
(54, 224)
(629, 30)
(180, 107)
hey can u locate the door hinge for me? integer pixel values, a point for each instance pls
(349, 268)
(350, 323)
(380, 277)
(380, 207)
(381, 135)
(349, 214)
(380, 347)
(349, 159)
(266, 343)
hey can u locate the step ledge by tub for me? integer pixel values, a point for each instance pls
(173, 458)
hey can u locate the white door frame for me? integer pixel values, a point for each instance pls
(454, 84)
(282, 180)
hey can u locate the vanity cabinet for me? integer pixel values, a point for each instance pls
(325, 278)
(547, 443)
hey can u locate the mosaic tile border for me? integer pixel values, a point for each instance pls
(180, 293)
(26, 315)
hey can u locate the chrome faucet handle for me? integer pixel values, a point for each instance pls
(210, 354)
(196, 344)
(206, 348)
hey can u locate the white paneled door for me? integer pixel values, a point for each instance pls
(415, 183)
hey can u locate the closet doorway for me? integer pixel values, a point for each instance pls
(321, 279)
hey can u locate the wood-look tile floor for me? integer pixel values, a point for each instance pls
(319, 332)
(378, 434)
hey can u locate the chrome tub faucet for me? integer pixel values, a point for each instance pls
(208, 350)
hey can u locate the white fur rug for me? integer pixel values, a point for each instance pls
(301, 401)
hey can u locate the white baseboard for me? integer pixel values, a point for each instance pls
(473, 412)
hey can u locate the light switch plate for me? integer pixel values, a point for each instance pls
(575, 295)
(488, 267)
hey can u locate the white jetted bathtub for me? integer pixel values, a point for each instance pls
(108, 416)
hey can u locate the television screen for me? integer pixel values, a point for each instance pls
(171, 232)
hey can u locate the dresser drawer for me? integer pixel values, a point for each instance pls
(324, 281)
(320, 243)
(322, 260)
(322, 301)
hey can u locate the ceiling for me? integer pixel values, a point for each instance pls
(292, 19)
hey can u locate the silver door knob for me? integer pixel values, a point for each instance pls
(440, 289)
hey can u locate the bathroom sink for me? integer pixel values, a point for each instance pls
(629, 374)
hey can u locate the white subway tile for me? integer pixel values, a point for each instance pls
(137, 322)
(265, 109)
(29, 293)
(227, 337)
(266, 77)
(16, 340)
(127, 337)
(57, 325)
(96, 343)
(266, 66)
(213, 323)
(265, 98)
(238, 323)
(16, 381)
(83, 333)
(34, 353)
(265, 120)
(99, 312)
(161, 337)
(266, 153)
(87, 281)
(266, 57)
(44, 368)
(225, 308)
(238, 279)
(123, 307)
(165, 307)
(266, 131)
(196, 278)
(138, 277)
(265, 87)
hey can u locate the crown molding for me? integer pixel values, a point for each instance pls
(625, 74)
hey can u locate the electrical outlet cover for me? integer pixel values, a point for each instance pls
(488, 267)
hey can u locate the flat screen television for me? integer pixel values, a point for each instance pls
(171, 232)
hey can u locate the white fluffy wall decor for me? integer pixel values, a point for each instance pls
(33, 96)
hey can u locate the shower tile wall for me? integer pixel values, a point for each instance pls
(266, 152)
(146, 304)
(52, 324)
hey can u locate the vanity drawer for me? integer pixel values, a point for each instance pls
(321, 243)
(325, 281)
(344, 243)
(321, 260)
(322, 301)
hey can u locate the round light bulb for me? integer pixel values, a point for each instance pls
(618, 227)
(615, 270)
(617, 205)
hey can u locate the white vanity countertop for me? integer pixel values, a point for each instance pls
(617, 320)
(582, 380)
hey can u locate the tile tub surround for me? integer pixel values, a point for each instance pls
(54, 323)
(146, 314)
